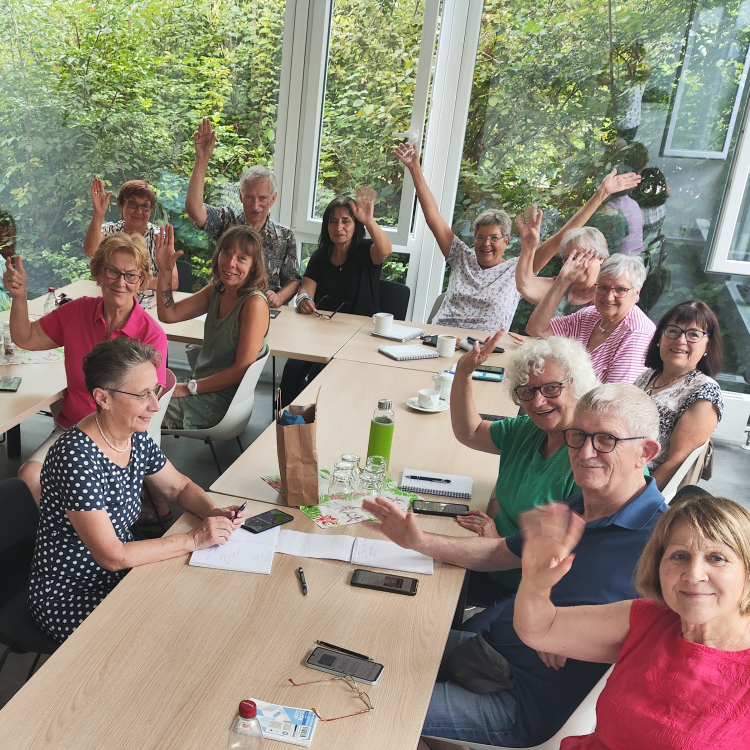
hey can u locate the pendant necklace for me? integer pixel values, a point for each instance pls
(113, 447)
(601, 327)
(664, 385)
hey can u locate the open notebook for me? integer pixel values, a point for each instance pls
(433, 483)
(400, 333)
(246, 552)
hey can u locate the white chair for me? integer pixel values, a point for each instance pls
(237, 416)
(688, 473)
(154, 426)
(581, 721)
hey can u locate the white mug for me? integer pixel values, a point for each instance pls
(446, 346)
(428, 398)
(382, 323)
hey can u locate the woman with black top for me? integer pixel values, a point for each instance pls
(343, 274)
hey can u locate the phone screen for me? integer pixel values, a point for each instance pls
(369, 578)
(9, 383)
(267, 520)
(331, 661)
(275, 313)
(448, 509)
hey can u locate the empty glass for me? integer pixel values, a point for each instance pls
(351, 458)
(371, 483)
(377, 463)
(341, 483)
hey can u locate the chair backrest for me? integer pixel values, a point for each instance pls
(436, 306)
(184, 276)
(693, 461)
(20, 518)
(154, 426)
(394, 298)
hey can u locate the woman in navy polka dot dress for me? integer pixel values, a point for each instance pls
(91, 488)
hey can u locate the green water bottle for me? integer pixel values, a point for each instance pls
(381, 430)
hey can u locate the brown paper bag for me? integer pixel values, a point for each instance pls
(298, 457)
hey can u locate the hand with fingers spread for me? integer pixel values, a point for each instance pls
(481, 523)
(529, 227)
(616, 183)
(213, 530)
(398, 526)
(408, 154)
(363, 205)
(478, 354)
(204, 140)
(14, 278)
(100, 198)
(550, 534)
(576, 265)
(164, 252)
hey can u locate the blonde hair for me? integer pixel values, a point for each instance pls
(717, 518)
(133, 244)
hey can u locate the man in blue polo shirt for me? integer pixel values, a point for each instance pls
(612, 438)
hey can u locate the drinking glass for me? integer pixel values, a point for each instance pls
(341, 483)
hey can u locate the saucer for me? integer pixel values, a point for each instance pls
(414, 404)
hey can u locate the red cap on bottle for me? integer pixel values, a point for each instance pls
(248, 710)
(51, 289)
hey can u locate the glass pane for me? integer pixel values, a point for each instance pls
(369, 95)
(552, 112)
(92, 90)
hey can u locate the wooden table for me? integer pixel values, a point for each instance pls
(349, 392)
(164, 660)
(363, 347)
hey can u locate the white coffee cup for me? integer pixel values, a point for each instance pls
(382, 323)
(446, 346)
(428, 398)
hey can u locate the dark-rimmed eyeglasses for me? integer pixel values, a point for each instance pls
(603, 442)
(618, 291)
(352, 683)
(113, 274)
(142, 207)
(548, 390)
(692, 335)
(157, 391)
(328, 316)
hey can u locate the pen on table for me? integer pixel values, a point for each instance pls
(430, 479)
(343, 650)
(301, 574)
(239, 510)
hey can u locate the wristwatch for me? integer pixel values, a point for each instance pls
(193, 387)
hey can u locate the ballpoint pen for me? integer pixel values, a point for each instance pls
(301, 574)
(429, 479)
(343, 650)
(239, 510)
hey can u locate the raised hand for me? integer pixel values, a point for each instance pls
(408, 154)
(529, 227)
(164, 252)
(14, 278)
(481, 523)
(478, 354)
(204, 140)
(363, 205)
(99, 197)
(576, 264)
(213, 530)
(550, 534)
(616, 183)
(398, 526)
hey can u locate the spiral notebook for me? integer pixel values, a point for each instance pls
(451, 485)
(400, 333)
(411, 351)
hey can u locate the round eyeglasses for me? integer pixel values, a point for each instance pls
(549, 390)
(603, 442)
(692, 335)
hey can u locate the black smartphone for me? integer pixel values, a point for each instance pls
(430, 340)
(496, 350)
(268, 520)
(492, 417)
(275, 314)
(491, 368)
(333, 662)
(9, 383)
(368, 579)
(432, 508)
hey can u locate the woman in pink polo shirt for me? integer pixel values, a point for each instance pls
(121, 267)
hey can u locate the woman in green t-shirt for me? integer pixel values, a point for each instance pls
(547, 377)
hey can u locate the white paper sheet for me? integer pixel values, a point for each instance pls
(327, 547)
(245, 552)
(376, 553)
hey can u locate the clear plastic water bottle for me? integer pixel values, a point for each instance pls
(246, 733)
(381, 430)
(50, 303)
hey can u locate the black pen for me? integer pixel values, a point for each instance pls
(301, 574)
(343, 650)
(430, 479)
(239, 510)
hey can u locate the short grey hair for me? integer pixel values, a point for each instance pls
(493, 216)
(624, 402)
(586, 238)
(251, 174)
(619, 265)
(569, 354)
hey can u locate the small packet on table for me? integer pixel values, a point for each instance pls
(294, 726)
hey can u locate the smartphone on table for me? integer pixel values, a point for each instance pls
(491, 368)
(275, 314)
(332, 662)
(497, 350)
(495, 377)
(264, 521)
(432, 508)
(9, 383)
(394, 584)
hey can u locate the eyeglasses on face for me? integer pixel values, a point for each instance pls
(549, 390)
(693, 335)
(142, 207)
(328, 316)
(603, 442)
(352, 683)
(113, 274)
(619, 291)
(480, 239)
(142, 397)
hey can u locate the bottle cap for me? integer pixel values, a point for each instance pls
(385, 403)
(51, 289)
(248, 710)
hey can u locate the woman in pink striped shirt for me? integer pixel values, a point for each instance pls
(614, 330)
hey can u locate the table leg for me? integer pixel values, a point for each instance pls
(14, 441)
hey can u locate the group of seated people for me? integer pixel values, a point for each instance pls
(612, 405)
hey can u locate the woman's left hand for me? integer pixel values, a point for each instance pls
(478, 354)
(164, 252)
(481, 523)
(363, 205)
(180, 391)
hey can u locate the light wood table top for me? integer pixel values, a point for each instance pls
(349, 392)
(164, 660)
(41, 385)
(363, 347)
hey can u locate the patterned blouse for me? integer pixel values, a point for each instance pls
(279, 244)
(674, 401)
(110, 227)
